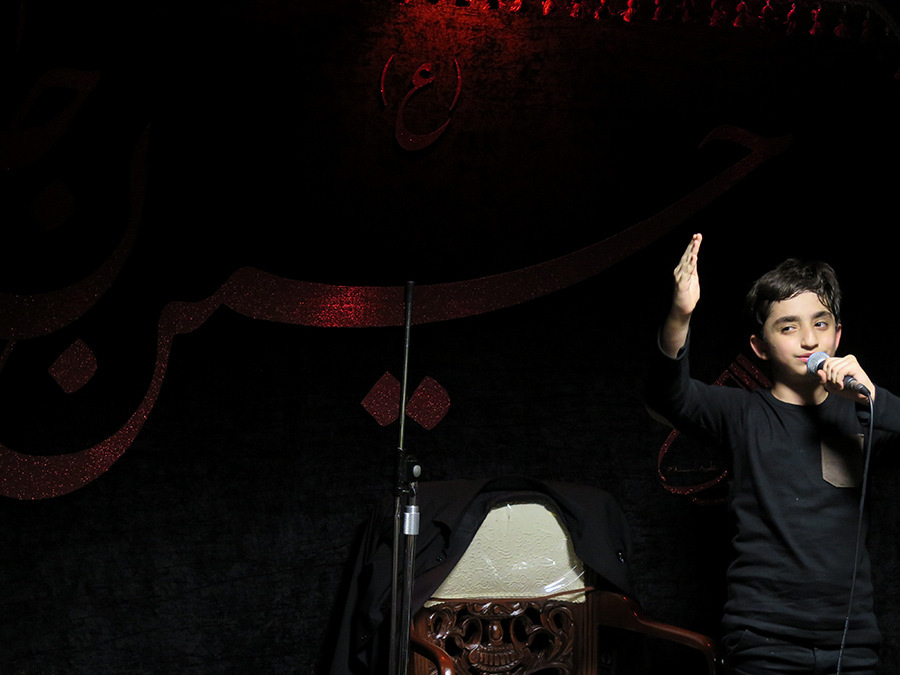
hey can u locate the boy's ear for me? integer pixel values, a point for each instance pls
(760, 348)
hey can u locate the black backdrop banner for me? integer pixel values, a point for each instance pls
(209, 213)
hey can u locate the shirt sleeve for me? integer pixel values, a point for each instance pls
(886, 420)
(685, 403)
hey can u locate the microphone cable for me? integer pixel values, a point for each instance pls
(867, 451)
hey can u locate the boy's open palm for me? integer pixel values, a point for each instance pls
(687, 281)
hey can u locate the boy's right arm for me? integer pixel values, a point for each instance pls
(685, 295)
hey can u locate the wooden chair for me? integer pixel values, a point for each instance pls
(520, 602)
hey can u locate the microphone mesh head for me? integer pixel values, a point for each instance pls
(815, 362)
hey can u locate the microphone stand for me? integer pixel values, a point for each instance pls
(406, 525)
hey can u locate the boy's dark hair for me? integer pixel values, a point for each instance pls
(790, 278)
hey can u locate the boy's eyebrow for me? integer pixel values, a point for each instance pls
(794, 319)
(786, 319)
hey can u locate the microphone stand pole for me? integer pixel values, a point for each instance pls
(406, 526)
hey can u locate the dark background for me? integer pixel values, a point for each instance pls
(218, 542)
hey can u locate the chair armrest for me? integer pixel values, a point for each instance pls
(432, 652)
(619, 611)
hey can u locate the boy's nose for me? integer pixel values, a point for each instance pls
(809, 338)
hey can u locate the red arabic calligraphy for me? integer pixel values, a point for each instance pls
(258, 294)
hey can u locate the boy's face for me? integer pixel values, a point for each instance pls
(794, 330)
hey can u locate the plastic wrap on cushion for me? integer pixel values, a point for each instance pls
(521, 550)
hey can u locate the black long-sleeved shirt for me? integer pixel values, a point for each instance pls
(796, 476)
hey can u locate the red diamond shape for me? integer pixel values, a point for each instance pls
(429, 403)
(383, 400)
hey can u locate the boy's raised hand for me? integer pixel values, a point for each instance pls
(685, 295)
(686, 292)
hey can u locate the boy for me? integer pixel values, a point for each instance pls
(795, 457)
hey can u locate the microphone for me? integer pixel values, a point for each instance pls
(817, 360)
